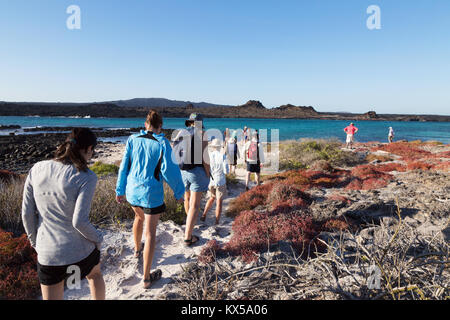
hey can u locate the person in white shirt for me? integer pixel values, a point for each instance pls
(217, 189)
(254, 158)
(232, 152)
(391, 135)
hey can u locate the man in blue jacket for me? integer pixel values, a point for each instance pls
(146, 163)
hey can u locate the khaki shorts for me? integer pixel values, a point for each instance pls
(349, 138)
(217, 192)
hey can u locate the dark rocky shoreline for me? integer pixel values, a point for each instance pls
(18, 153)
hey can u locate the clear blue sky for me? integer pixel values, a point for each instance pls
(317, 53)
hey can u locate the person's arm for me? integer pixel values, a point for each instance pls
(245, 151)
(206, 159)
(29, 211)
(80, 220)
(261, 154)
(171, 172)
(226, 165)
(124, 170)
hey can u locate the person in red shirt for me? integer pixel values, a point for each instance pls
(350, 130)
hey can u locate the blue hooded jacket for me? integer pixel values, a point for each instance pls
(146, 163)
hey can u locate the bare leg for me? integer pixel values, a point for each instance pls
(96, 283)
(218, 209)
(138, 227)
(257, 179)
(208, 206)
(53, 292)
(247, 178)
(151, 222)
(187, 197)
(192, 214)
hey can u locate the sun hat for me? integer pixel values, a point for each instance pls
(216, 143)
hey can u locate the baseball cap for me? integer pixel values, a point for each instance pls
(193, 117)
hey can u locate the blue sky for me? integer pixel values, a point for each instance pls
(317, 53)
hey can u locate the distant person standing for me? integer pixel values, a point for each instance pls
(351, 130)
(226, 135)
(246, 134)
(232, 152)
(254, 157)
(391, 135)
(217, 189)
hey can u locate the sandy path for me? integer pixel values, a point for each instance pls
(123, 273)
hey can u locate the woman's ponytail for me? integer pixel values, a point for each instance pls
(154, 119)
(69, 151)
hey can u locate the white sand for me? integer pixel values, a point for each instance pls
(123, 273)
(109, 153)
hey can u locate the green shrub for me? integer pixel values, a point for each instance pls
(174, 210)
(301, 154)
(102, 169)
(231, 179)
(104, 209)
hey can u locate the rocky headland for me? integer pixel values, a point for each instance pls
(251, 109)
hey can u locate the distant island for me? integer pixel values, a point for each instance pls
(138, 108)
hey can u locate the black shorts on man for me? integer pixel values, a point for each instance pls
(256, 168)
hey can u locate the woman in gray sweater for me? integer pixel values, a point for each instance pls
(55, 213)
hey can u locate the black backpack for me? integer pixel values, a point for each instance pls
(184, 147)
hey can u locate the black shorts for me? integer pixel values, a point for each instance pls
(256, 168)
(50, 275)
(156, 210)
(234, 162)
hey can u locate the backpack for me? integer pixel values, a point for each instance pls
(185, 147)
(252, 153)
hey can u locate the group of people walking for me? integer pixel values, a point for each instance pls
(251, 150)
(58, 194)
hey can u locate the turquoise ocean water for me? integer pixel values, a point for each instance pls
(288, 128)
